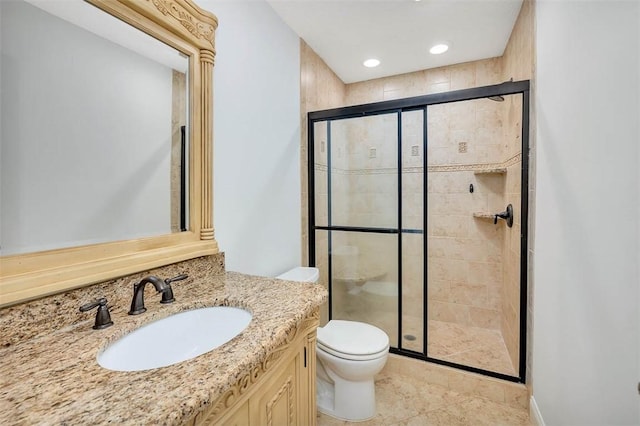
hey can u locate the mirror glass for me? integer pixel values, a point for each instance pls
(93, 137)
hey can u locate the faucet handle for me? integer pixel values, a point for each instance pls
(167, 295)
(177, 278)
(103, 318)
(506, 215)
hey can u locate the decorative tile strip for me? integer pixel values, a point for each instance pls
(513, 160)
(477, 167)
(472, 167)
(501, 170)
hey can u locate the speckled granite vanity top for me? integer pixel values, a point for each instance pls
(48, 368)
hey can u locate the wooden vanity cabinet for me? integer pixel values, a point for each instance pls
(280, 391)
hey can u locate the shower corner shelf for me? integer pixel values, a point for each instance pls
(492, 171)
(484, 215)
(360, 277)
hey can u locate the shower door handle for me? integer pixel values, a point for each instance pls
(506, 215)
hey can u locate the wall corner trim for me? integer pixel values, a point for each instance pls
(535, 416)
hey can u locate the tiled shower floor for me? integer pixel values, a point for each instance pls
(473, 346)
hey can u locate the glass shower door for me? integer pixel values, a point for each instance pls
(473, 283)
(362, 220)
(412, 236)
(404, 200)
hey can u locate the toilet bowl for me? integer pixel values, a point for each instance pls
(349, 355)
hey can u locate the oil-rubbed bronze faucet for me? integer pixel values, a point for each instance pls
(103, 318)
(164, 287)
(506, 215)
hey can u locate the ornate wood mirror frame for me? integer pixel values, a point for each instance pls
(184, 26)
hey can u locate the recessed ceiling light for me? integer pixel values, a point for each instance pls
(438, 49)
(371, 63)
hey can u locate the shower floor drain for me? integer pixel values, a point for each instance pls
(410, 337)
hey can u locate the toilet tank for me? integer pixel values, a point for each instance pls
(302, 274)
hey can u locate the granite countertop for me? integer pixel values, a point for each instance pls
(53, 377)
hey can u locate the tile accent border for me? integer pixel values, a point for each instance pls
(472, 167)
(476, 167)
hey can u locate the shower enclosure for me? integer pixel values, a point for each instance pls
(409, 225)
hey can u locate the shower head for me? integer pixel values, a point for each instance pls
(496, 98)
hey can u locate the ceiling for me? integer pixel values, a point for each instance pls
(399, 32)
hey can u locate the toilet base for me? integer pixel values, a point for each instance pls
(349, 401)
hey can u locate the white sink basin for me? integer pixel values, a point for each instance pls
(174, 339)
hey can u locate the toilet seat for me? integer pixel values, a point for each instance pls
(352, 340)
(351, 357)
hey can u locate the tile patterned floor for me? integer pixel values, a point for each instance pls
(474, 346)
(407, 401)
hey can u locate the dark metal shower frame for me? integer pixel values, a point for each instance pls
(418, 103)
(183, 178)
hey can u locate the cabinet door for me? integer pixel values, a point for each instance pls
(277, 403)
(240, 417)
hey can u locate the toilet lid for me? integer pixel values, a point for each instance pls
(352, 338)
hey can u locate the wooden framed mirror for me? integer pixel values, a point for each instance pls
(182, 26)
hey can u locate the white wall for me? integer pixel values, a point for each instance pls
(586, 320)
(77, 115)
(256, 138)
(1, 96)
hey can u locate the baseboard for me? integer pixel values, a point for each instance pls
(534, 413)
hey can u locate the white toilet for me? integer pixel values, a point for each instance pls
(349, 355)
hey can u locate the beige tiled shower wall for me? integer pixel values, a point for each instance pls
(364, 157)
(518, 63)
(435, 80)
(464, 253)
(465, 258)
(510, 291)
(364, 193)
(178, 119)
(320, 89)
